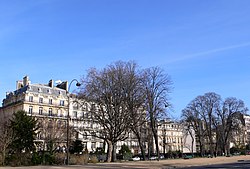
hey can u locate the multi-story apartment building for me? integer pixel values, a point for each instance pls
(241, 137)
(173, 136)
(50, 105)
(247, 128)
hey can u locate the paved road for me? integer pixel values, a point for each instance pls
(238, 165)
(196, 163)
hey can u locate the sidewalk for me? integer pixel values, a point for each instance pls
(162, 164)
(203, 161)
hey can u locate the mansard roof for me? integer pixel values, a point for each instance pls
(39, 88)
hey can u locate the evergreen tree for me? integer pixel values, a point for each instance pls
(77, 147)
(24, 129)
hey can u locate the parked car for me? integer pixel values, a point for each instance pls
(153, 158)
(162, 157)
(136, 158)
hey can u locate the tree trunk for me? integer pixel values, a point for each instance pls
(156, 143)
(113, 159)
(4, 154)
(140, 144)
(211, 146)
(142, 149)
(192, 137)
(110, 149)
(149, 149)
(201, 149)
(3, 158)
(192, 148)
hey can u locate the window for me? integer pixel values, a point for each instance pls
(50, 111)
(75, 114)
(75, 106)
(30, 98)
(84, 144)
(40, 111)
(61, 102)
(101, 145)
(59, 124)
(93, 108)
(30, 109)
(59, 112)
(39, 136)
(77, 135)
(93, 145)
(40, 100)
(50, 101)
(86, 107)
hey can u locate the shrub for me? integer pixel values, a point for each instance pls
(79, 159)
(127, 156)
(36, 159)
(60, 158)
(49, 158)
(125, 152)
(93, 159)
(1, 159)
(19, 159)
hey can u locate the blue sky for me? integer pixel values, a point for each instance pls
(203, 45)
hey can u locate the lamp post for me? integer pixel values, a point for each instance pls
(67, 93)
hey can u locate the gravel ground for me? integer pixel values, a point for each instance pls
(162, 164)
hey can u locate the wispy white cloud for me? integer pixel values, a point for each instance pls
(208, 52)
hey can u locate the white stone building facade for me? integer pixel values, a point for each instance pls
(50, 105)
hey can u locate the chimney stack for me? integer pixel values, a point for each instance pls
(26, 81)
(19, 84)
(51, 83)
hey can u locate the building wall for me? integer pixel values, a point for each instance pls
(49, 105)
(247, 128)
(174, 137)
(189, 141)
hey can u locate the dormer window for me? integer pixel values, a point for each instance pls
(39, 90)
(48, 90)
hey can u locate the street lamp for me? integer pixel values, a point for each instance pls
(67, 93)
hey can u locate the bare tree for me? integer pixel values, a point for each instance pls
(201, 111)
(105, 89)
(188, 130)
(206, 106)
(53, 132)
(229, 119)
(193, 119)
(135, 103)
(157, 89)
(6, 138)
(215, 120)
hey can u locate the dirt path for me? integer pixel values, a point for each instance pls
(163, 164)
